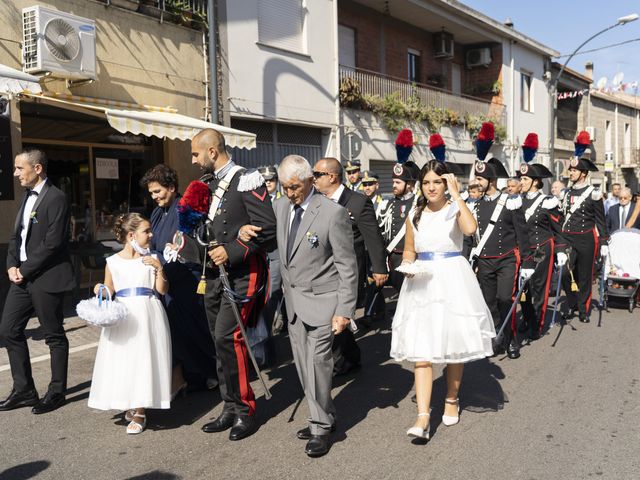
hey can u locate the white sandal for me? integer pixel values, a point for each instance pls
(418, 432)
(128, 414)
(450, 420)
(134, 428)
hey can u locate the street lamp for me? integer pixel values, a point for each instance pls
(553, 85)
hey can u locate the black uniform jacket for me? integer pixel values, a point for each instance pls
(48, 264)
(588, 216)
(399, 210)
(545, 222)
(239, 208)
(366, 232)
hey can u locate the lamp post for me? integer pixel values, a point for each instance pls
(553, 84)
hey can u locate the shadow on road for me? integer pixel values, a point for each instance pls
(24, 471)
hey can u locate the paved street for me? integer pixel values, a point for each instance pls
(569, 411)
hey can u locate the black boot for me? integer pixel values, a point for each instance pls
(513, 351)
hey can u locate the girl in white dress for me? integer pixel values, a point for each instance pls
(132, 370)
(441, 315)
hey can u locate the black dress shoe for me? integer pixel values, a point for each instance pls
(534, 335)
(244, 426)
(50, 402)
(584, 318)
(220, 424)
(513, 351)
(305, 433)
(317, 446)
(19, 399)
(346, 369)
(366, 321)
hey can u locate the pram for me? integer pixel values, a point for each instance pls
(622, 266)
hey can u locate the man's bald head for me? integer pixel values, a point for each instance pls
(331, 165)
(208, 150)
(210, 138)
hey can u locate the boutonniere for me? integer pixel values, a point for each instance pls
(312, 238)
(33, 217)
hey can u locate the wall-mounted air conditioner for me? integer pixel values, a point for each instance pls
(478, 57)
(443, 45)
(592, 133)
(59, 43)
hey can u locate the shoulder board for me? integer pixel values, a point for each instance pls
(384, 202)
(514, 202)
(550, 202)
(250, 180)
(596, 195)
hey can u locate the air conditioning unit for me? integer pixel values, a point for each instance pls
(592, 133)
(478, 57)
(59, 43)
(443, 45)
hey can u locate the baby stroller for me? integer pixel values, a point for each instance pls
(622, 267)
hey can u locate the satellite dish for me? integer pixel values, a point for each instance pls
(617, 79)
(602, 82)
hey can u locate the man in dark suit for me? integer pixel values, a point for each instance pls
(40, 271)
(619, 214)
(367, 240)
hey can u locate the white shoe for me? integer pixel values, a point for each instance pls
(418, 432)
(448, 420)
(134, 428)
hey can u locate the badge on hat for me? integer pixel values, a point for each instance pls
(480, 167)
(524, 168)
(397, 169)
(574, 162)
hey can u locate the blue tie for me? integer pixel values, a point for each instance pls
(294, 229)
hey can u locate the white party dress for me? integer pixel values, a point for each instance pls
(133, 362)
(441, 315)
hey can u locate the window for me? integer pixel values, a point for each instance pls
(607, 135)
(413, 63)
(281, 24)
(627, 144)
(346, 46)
(526, 102)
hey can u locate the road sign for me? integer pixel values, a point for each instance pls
(351, 146)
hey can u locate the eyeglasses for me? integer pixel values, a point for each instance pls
(368, 184)
(320, 174)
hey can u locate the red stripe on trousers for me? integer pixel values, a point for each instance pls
(593, 264)
(516, 252)
(246, 392)
(546, 286)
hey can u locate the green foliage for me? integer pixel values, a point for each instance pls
(395, 112)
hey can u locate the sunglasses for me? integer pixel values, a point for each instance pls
(320, 174)
(368, 184)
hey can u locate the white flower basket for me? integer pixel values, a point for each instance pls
(102, 312)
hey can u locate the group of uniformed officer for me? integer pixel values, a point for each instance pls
(521, 240)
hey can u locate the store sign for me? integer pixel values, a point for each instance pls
(107, 168)
(6, 159)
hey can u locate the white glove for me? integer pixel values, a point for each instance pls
(526, 273)
(604, 250)
(169, 254)
(561, 259)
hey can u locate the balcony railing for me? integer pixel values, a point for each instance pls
(190, 13)
(373, 83)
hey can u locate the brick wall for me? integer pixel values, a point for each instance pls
(485, 76)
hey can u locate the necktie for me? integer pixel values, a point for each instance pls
(297, 218)
(32, 192)
(623, 215)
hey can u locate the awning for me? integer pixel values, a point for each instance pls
(161, 122)
(14, 81)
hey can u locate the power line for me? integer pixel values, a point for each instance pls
(602, 48)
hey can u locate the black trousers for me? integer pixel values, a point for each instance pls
(22, 302)
(395, 278)
(232, 360)
(498, 279)
(584, 248)
(534, 308)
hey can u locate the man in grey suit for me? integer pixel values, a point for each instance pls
(319, 278)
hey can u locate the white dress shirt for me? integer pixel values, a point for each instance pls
(26, 217)
(335, 196)
(304, 206)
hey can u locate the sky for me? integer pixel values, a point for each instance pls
(565, 24)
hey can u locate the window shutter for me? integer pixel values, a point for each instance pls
(281, 24)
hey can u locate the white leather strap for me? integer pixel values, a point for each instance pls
(221, 190)
(502, 201)
(576, 205)
(534, 206)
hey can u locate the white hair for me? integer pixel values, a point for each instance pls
(626, 191)
(294, 167)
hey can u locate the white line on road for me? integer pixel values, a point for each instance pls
(42, 358)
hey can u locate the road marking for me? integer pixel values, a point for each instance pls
(42, 358)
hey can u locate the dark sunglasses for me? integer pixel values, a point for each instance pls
(320, 174)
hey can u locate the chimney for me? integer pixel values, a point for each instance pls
(508, 22)
(588, 67)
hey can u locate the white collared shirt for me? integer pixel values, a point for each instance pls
(335, 196)
(304, 206)
(26, 217)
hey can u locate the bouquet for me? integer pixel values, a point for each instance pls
(102, 312)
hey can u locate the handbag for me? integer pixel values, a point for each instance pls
(102, 312)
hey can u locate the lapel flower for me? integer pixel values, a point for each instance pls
(33, 217)
(312, 238)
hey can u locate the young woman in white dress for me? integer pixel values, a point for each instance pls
(132, 370)
(441, 315)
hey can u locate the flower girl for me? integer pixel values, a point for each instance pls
(132, 371)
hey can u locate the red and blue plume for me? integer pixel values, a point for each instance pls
(484, 140)
(582, 143)
(530, 147)
(193, 207)
(437, 147)
(404, 145)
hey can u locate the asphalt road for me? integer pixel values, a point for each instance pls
(568, 411)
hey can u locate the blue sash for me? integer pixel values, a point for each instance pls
(437, 255)
(136, 292)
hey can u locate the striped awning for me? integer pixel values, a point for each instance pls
(161, 122)
(14, 81)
